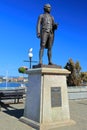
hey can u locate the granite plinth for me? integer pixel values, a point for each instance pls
(47, 99)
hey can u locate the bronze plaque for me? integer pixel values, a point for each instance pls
(56, 100)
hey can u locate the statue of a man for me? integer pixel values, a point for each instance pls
(45, 31)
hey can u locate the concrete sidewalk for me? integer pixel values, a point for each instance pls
(10, 114)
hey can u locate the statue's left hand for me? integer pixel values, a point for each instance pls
(55, 26)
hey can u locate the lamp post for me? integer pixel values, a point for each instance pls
(30, 55)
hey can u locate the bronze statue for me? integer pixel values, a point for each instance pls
(45, 31)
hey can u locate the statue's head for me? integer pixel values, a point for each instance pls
(47, 8)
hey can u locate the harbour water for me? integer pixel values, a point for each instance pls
(11, 85)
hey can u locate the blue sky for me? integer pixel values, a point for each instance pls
(18, 19)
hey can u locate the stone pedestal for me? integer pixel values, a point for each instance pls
(46, 103)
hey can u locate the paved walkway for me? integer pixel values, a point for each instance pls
(10, 114)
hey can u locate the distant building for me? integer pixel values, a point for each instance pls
(13, 79)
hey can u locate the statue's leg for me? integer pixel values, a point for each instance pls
(42, 46)
(49, 52)
(41, 54)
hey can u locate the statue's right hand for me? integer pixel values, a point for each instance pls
(38, 35)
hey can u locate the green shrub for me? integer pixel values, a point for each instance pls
(22, 69)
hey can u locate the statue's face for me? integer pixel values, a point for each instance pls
(47, 9)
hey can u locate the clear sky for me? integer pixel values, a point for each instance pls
(18, 19)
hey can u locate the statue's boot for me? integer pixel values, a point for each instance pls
(50, 63)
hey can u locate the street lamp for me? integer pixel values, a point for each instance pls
(30, 55)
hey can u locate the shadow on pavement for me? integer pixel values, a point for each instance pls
(10, 110)
(16, 113)
(5, 106)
